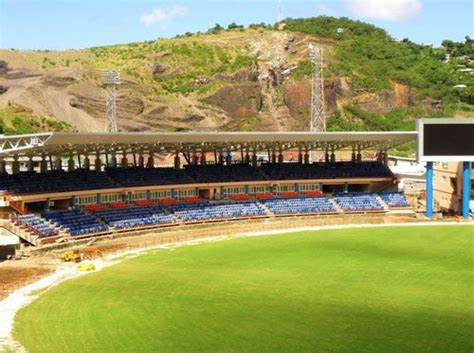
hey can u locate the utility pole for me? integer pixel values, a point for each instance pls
(280, 11)
(111, 79)
(318, 111)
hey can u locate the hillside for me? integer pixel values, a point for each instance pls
(254, 78)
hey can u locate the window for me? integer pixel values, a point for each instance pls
(233, 190)
(309, 187)
(284, 188)
(258, 189)
(185, 192)
(160, 194)
(444, 179)
(444, 165)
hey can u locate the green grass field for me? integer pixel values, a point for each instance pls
(380, 290)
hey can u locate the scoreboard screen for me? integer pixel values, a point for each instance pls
(446, 140)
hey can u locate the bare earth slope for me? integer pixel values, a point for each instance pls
(233, 80)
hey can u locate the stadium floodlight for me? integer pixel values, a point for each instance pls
(318, 111)
(110, 79)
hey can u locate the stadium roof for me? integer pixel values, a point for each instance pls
(60, 143)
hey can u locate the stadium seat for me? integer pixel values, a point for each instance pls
(75, 222)
(299, 205)
(394, 199)
(35, 225)
(191, 212)
(357, 201)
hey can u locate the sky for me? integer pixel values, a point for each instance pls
(52, 24)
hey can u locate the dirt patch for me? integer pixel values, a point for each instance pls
(18, 274)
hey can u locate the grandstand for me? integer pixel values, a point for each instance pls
(61, 185)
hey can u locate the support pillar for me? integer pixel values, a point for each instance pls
(228, 158)
(333, 156)
(300, 156)
(177, 161)
(274, 157)
(3, 169)
(466, 188)
(43, 164)
(87, 163)
(221, 158)
(359, 155)
(141, 160)
(15, 165)
(280, 157)
(113, 161)
(58, 163)
(203, 158)
(70, 164)
(254, 159)
(353, 155)
(124, 161)
(97, 164)
(306, 158)
(429, 189)
(30, 165)
(151, 162)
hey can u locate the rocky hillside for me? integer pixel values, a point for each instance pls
(256, 78)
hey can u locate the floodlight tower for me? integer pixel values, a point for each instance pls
(111, 79)
(318, 111)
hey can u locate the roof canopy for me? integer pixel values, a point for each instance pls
(91, 143)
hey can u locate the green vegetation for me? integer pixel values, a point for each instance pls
(386, 289)
(186, 62)
(372, 58)
(13, 123)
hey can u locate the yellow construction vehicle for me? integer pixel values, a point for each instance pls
(71, 256)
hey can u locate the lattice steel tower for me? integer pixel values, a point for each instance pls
(318, 111)
(110, 79)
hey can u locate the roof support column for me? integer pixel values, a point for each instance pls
(87, 162)
(15, 165)
(300, 155)
(124, 161)
(70, 163)
(113, 160)
(151, 162)
(333, 155)
(58, 163)
(466, 188)
(30, 166)
(3, 169)
(97, 163)
(280, 156)
(141, 160)
(353, 155)
(429, 189)
(177, 161)
(228, 158)
(306, 155)
(254, 158)
(43, 164)
(359, 154)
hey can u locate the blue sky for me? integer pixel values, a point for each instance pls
(47, 24)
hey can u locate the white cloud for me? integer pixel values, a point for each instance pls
(160, 15)
(388, 10)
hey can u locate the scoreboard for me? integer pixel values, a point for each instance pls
(445, 140)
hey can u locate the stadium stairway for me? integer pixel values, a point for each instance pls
(266, 209)
(336, 205)
(386, 208)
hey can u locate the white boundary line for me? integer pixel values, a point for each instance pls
(21, 297)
